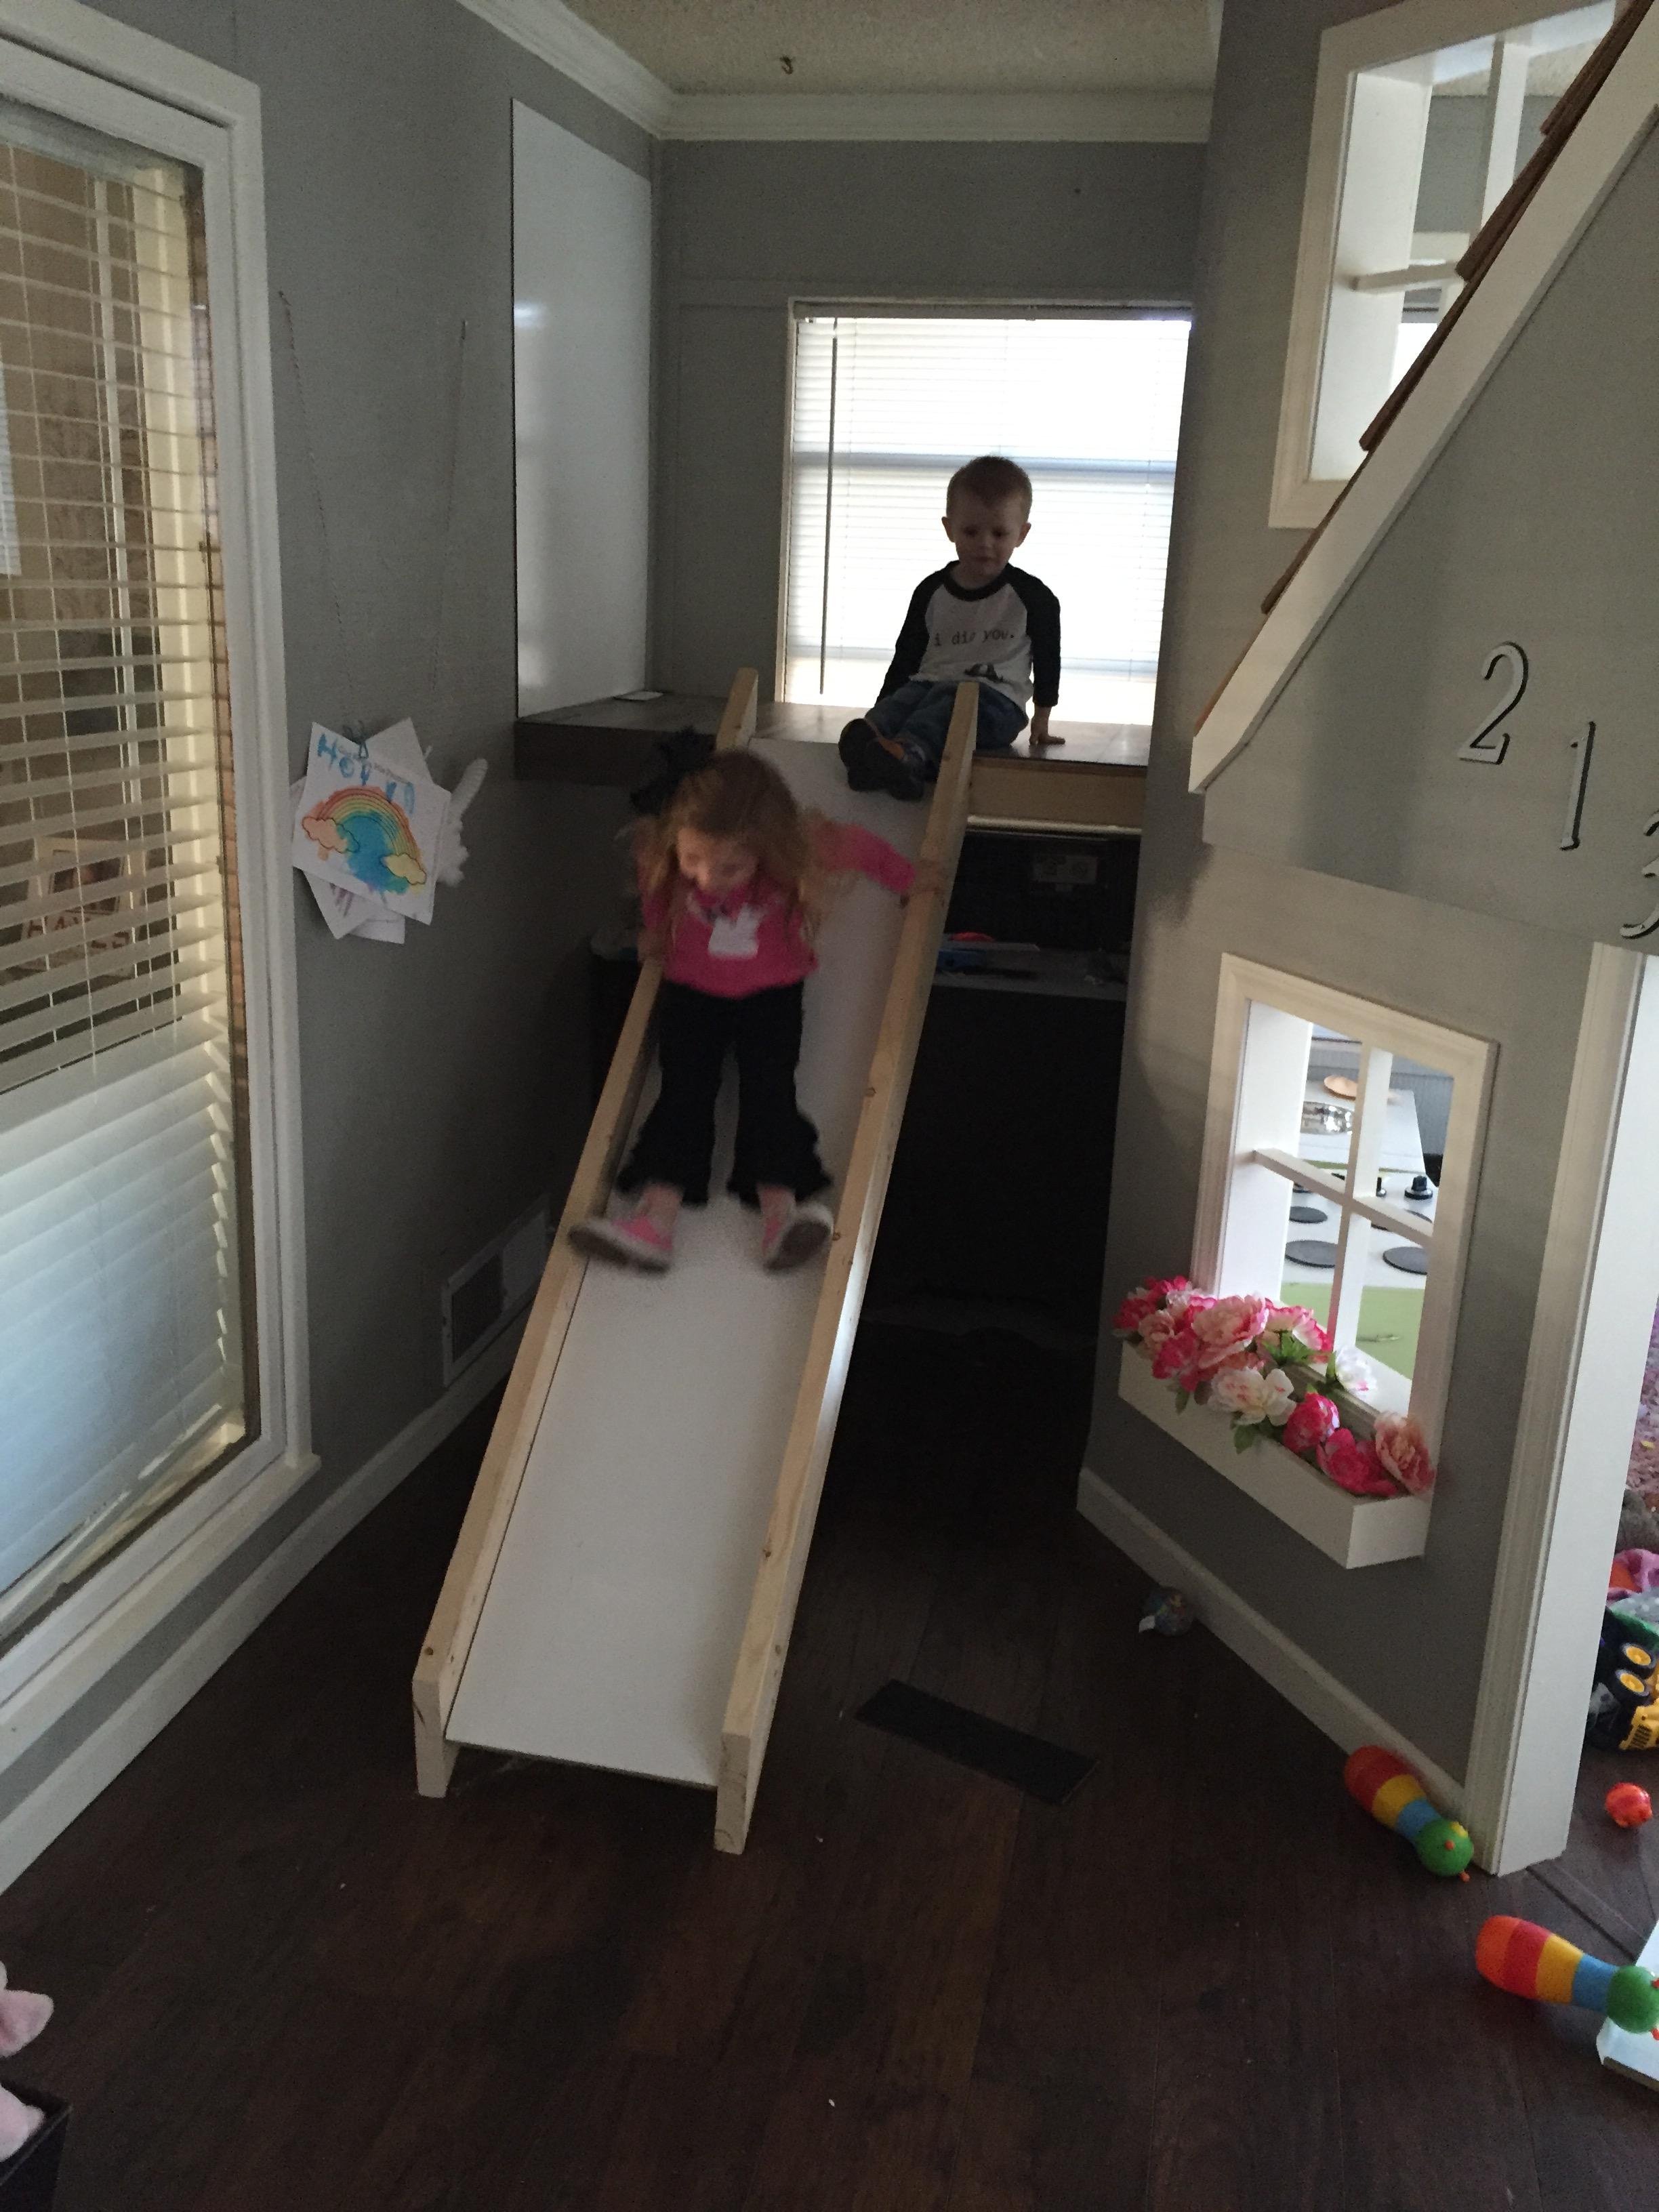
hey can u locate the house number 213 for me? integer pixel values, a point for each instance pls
(1489, 748)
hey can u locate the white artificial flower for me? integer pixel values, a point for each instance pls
(1354, 1371)
(1251, 1396)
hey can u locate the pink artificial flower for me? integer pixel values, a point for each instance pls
(1354, 1466)
(1147, 1299)
(1183, 1302)
(1309, 1340)
(1156, 1331)
(1223, 1328)
(1174, 1359)
(1401, 1449)
(1313, 1420)
(1252, 1393)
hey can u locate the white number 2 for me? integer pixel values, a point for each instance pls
(1644, 928)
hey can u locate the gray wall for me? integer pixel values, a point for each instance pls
(1406, 1638)
(746, 228)
(389, 199)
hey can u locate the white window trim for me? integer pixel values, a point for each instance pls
(1584, 172)
(1300, 501)
(798, 305)
(68, 58)
(1222, 1241)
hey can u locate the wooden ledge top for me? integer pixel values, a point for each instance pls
(613, 742)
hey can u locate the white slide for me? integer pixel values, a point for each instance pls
(668, 1456)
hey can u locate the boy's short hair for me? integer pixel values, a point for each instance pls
(992, 477)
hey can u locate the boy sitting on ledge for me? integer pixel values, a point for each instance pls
(980, 620)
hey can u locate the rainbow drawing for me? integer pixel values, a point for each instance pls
(371, 834)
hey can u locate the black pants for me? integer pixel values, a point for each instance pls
(775, 1142)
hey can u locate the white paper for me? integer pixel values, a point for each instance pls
(370, 822)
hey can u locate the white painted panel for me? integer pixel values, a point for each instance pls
(582, 382)
(1355, 1532)
(611, 1628)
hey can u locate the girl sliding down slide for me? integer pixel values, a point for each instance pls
(732, 878)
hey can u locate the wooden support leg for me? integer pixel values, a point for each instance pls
(435, 1760)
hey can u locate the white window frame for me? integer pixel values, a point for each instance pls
(804, 304)
(1257, 1076)
(68, 59)
(1300, 500)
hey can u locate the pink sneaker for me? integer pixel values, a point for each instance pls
(797, 1237)
(635, 1241)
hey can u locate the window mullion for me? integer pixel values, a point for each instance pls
(1353, 1242)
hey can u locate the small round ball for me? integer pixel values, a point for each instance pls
(1629, 1804)
(1444, 1847)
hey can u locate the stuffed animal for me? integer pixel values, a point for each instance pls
(22, 2016)
(1520, 1956)
(1392, 1794)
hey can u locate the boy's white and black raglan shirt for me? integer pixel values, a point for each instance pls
(1005, 634)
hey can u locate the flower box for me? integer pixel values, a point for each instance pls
(1355, 1532)
(28, 2179)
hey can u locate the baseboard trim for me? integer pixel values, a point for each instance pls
(43, 1815)
(1301, 1682)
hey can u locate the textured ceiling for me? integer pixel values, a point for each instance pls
(913, 46)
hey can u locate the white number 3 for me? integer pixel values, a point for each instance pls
(1642, 928)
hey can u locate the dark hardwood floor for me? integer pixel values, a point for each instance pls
(287, 1984)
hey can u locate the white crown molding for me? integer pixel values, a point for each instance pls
(970, 117)
(555, 34)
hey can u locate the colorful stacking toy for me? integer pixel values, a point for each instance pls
(1392, 1794)
(1520, 1956)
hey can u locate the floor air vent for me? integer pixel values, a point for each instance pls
(480, 1298)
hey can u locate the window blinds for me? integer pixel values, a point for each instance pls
(886, 406)
(120, 1156)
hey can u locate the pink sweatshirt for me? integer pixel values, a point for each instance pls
(751, 941)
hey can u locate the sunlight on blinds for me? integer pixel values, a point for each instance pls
(885, 407)
(121, 1241)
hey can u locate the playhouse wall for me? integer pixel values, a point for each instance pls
(746, 228)
(444, 1083)
(1405, 1639)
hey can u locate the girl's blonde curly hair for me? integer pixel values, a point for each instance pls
(741, 796)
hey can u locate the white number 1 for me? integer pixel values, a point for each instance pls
(1644, 928)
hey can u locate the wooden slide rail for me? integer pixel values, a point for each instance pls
(759, 1671)
(461, 1601)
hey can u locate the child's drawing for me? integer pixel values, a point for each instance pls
(372, 834)
(369, 824)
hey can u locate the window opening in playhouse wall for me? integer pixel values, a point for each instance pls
(1340, 1163)
(1412, 149)
(886, 405)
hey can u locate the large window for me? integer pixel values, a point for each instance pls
(887, 405)
(126, 1366)
(1416, 138)
(1340, 1159)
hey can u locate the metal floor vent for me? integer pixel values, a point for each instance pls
(482, 1297)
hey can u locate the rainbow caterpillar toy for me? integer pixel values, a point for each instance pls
(1526, 1960)
(1392, 1794)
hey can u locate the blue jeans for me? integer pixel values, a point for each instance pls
(918, 715)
